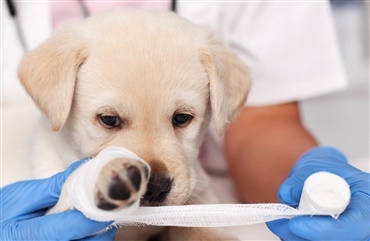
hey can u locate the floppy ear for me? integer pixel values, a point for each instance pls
(229, 82)
(49, 74)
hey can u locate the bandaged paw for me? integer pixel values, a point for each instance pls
(108, 186)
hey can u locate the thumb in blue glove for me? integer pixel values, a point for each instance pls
(353, 224)
(24, 203)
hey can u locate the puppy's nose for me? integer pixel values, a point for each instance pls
(159, 186)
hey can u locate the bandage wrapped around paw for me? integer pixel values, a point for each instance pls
(108, 186)
(323, 194)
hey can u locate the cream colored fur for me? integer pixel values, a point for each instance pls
(142, 66)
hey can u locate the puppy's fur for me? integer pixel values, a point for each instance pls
(144, 68)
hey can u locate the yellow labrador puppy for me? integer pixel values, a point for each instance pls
(148, 81)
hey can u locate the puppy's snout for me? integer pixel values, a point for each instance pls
(159, 186)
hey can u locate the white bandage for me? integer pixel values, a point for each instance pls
(81, 185)
(323, 194)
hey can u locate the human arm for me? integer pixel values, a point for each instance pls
(23, 206)
(262, 145)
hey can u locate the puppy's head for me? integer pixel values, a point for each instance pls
(148, 81)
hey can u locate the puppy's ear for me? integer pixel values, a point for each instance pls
(229, 82)
(49, 74)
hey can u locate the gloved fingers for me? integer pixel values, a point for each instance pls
(359, 182)
(29, 196)
(315, 160)
(107, 235)
(291, 189)
(326, 159)
(353, 224)
(67, 225)
(323, 153)
(30, 215)
(280, 228)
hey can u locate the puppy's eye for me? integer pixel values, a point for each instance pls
(181, 120)
(110, 121)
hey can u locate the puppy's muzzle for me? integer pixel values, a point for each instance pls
(158, 188)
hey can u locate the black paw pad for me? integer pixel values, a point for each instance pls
(118, 190)
(107, 205)
(104, 204)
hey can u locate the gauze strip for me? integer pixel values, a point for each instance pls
(323, 194)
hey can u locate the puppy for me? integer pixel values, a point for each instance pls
(147, 81)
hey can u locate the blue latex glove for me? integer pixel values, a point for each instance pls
(23, 205)
(353, 224)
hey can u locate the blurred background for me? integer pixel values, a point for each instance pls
(342, 119)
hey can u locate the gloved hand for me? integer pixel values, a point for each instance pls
(353, 224)
(23, 205)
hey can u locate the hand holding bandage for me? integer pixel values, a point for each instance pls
(353, 224)
(23, 205)
(81, 196)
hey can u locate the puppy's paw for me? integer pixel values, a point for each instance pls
(120, 183)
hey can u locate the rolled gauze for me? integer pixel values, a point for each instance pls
(323, 194)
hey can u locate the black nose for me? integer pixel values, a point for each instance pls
(158, 188)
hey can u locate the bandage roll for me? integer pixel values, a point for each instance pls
(323, 194)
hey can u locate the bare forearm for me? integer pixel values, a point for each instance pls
(262, 146)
